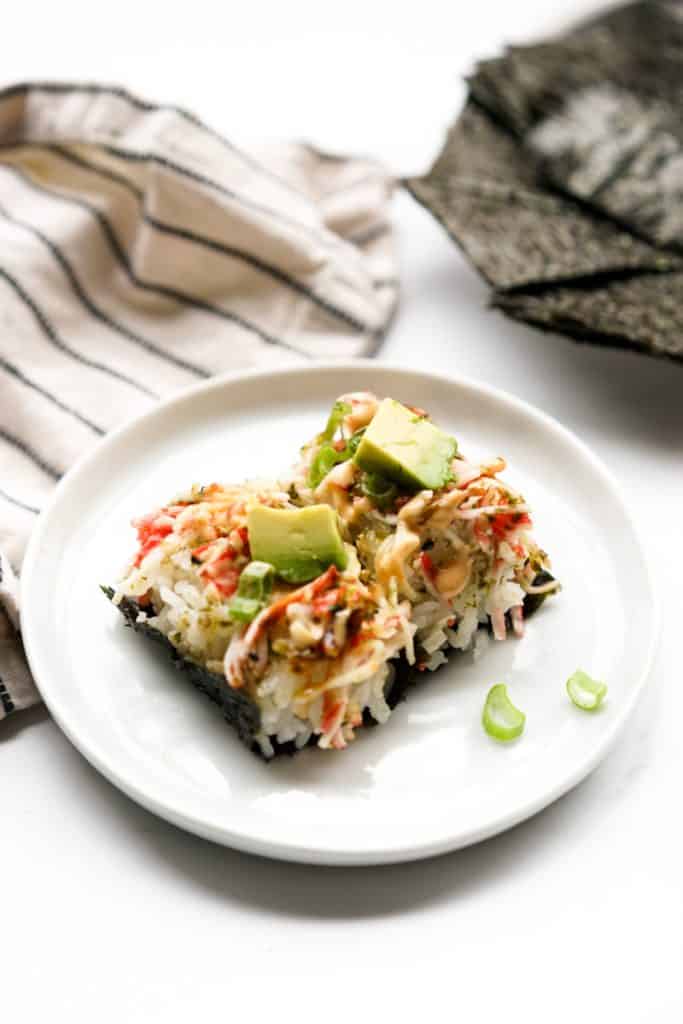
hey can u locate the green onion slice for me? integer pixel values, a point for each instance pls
(253, 590)
(244, 609)
(338, 412)
(326, 458)
(500, 718)
(354, 441)
(588, 694)
(256, 581)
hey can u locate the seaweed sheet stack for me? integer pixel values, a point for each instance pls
(562, 180)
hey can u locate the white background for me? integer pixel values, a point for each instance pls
(107, 914)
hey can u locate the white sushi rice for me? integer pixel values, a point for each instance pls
(201, 630)
(280, 722)
(441, 627)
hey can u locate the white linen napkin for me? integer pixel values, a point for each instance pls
(142, 252)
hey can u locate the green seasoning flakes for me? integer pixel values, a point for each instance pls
(500, 718)
(588, 694)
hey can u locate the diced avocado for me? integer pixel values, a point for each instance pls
(406, 448)
(299, 543)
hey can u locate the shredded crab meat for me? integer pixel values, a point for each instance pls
(443, 509)
(490, 510)
(378, 639)
(333, 489)
(517, 619)
(364, 405)
(341, 476)
(273, 611)
(303, 630)
(233, 663)
(451, 579)
(334, 706)
(238, 653)
(426, 574)
(467, 472)
(498, 623)
(339, 628)
(392, 557)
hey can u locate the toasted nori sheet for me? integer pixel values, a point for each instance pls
(236, 706)
(600, 106)
(644, 312)
(484, 189)
(563, 179)
(532, 602)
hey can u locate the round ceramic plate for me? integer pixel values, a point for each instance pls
(429, 780)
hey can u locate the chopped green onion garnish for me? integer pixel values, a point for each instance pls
(256, 581)
(585, 692)
(328, 456)
(337, 414)
(244, 609)
(501, 719)
(325, 459)
(378, 489)
(253, 589)
(354, 441)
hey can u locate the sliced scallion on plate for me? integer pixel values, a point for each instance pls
(500, 718)
(587, 693)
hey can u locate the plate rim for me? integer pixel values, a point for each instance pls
(285, 849)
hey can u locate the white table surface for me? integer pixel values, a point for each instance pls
(110, 915)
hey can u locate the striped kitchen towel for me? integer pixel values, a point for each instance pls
(142, 252)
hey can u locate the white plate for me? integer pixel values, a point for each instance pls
(430, 780)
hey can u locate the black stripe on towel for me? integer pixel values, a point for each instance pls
(78, 161)
(45, 325)
(15, 372)
(5, 699)
(149, 346)
(201, 179)
(209, 243)
(269, 211)
(19, 504)
(30, 453)
(172, 293)
(371, 234)
(49, 330)
(91, 88)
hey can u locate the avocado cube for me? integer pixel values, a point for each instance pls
(406, 448)
(299, 543)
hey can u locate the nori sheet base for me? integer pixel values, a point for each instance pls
(240, 711)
